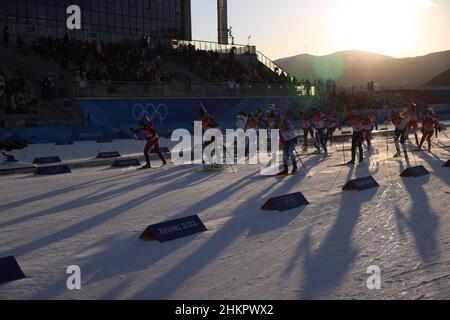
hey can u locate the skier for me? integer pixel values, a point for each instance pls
(208, 122)
(319, 124)
(429, 124)
(400, 122)
(357, 137)
(413, 123)
(307, 128)
(330, 124)
(152, 137)
(288, 137)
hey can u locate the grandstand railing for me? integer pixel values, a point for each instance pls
(272, 65)
(98, 89)
(215, 47)
(240, 49)
(30, 120)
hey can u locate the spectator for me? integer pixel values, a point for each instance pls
(232, 53)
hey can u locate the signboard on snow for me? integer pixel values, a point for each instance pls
(108, 155)
(417, 171)
(286, 202)
(126, 163)
(52, 170)
(361, 184)
(10, 270)
(175, 229)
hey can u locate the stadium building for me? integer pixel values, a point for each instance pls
(105, 20)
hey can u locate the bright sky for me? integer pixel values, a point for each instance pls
(281, 28)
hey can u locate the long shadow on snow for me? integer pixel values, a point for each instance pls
(421, 221)
(48, 195)
(113, 254)
(91, 198)
(91, 222)
(324, 269)
(247, 217)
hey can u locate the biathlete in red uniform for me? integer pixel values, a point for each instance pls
(400, 122)
(152, 144)
(357, 137)
(429, 125)
(208, 122)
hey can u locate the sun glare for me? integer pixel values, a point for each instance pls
(382, 26)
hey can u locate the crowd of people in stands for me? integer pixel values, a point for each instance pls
(98, 61)
(16, 96)
(225, 68)
(142, 61)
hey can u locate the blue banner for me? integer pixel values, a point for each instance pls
(113, 118)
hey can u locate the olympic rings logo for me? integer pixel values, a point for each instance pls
(150, 111)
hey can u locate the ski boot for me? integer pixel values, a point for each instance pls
(147, 166)
(283, 173)
(294, 169)
(351, 162)
(398, 154)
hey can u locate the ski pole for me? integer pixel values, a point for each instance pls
(137, 141)
(301, 161)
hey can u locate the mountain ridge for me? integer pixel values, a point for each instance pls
(355, 67)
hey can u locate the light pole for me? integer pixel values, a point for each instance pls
(222, 19)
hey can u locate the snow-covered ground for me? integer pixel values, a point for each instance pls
(79, 151)
(93, 218)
